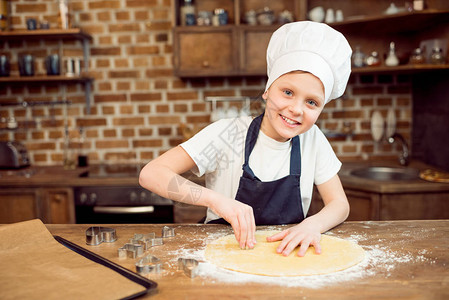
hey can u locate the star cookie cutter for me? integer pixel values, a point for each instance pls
(147, 240)
(130, 250)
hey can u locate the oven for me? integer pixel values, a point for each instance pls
(119, 204)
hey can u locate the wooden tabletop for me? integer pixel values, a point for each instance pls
(405, 260)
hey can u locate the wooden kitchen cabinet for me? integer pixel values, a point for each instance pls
(202, 52)
(369, 206)
(51, 205)
(365, 24)
(235, 49)
(18, 205)
(59, 206)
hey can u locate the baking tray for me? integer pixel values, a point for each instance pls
(149, 285)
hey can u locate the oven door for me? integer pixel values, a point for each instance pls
(121, 204)
(124, 214)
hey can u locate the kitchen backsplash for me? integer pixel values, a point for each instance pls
(140, 109)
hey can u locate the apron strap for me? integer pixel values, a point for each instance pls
(250, 142)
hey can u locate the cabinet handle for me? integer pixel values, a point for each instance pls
(206, 64)
(123, 209)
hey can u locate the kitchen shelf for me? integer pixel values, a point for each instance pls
(400, 69)
(73, 33)
(400, 22)
(45, 78)
(53, 34)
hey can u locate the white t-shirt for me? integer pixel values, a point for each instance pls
(219, 152)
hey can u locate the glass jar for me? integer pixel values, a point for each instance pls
(417, 57)
(373, 60)
(437, 56)
(358, 58)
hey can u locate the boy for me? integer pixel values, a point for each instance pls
(261, 171)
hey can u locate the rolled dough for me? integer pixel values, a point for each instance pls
(336, 255)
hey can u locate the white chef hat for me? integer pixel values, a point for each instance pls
(312, 47)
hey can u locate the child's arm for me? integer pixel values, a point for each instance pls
(308, 232)
(161, 176)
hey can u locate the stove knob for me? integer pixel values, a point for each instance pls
(133, 197)
(93, 198)
(83, 198)
(143, 197)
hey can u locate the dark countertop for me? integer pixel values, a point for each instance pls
(57, 176)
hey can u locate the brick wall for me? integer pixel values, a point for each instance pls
(139, 107)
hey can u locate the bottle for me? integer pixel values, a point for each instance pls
(64, 22)
(4, 22)
(82, 156)
(392, 60)
(373, 60)
(417, 57)
(188, 13)
(358, 58)
(68, 155)
(418, 4)
(437, 56)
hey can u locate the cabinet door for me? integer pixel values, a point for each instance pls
(199, 52)
(17, 205)
(59, 205)
(363, 206)
(253, 48)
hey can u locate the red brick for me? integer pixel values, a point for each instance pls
(133, 27)
(128, 121)
(31, 8)
(105, 51)
(90, 122)
(117, 156)
(111, 144)
(146, 97)
(109, 133)
(31, 146)
(110, 98)
(128, 132)
(159, 120)
(104, 16)
(145, 131)
(182, 96)
(122, 16)
(111, 4)
(143, 50)
(147, 143)
(124, 74)
(141, 3)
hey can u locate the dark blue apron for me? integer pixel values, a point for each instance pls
(273, 202)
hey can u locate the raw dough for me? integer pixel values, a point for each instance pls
(336, 255)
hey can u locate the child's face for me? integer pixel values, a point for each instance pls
(294, 103)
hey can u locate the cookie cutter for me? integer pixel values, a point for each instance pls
(149, 264)
(189, 266)
(147, 240)
(168, 232)
(130, 250)
(96, 235)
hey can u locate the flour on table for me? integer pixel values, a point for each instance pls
(378, 259)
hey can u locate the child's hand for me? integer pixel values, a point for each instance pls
(304, 234)
(241, 218)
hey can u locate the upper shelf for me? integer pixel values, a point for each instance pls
(400, 22)
(409, 68)
(72, 33)
(44, 78)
